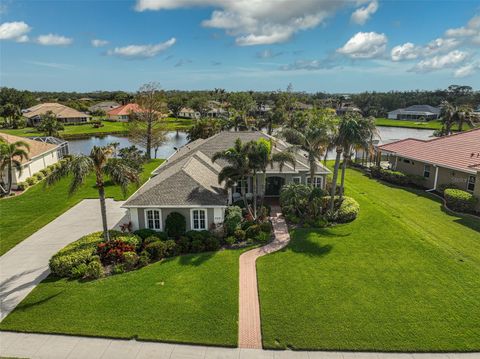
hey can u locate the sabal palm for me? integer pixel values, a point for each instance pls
(447, 115)
(100, 163)
(464, 115)
(237, 168)
(313, 139)
(11, 156)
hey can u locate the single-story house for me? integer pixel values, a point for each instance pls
(415, 113)
(188, 183)
(453, 159)
(123, 113)
(187, 112)
(104, 106)
(40, 156)
(63, 113)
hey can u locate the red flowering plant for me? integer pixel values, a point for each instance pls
(112, 251)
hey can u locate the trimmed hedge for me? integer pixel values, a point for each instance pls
(396, 177)
(460, 201)
(345, 212)
(175, 225)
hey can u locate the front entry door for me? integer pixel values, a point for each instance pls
(274, 185)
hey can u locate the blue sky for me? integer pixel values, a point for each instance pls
(317, 45)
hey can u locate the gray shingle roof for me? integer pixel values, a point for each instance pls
(189, 177)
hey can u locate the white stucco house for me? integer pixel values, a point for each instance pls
(40, 156)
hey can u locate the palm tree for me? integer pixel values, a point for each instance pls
(464, 115)
(447, 115)
(352, 130)
(313, 139)
(11, 156)
(49, 124)
(114, 146)
(238, 168)
(102, 165)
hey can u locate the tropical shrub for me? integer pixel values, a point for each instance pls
(31, 181)
(233, 218)
(39, 176)
(212, 244)
(197, 246)
(129, 238)
(145, 233)
(262, 237)
(246, 224)
(396, 177)
(441, 188)
(22, 186)
(294, 199)
(230, 240)
(143, 259)
(94, 270)
(240, 235)
(130, 260)
(266, 227)
(183, 244)
(175, 225)
(345, 211)
(156, 250)
(74, 254)
(171, 248)
(252, 231)
(112, 252)
(198, 235)
(118, 268)
(460, 201)
(149, 240)
(79, 271)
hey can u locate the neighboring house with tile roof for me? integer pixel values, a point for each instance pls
(123, 113)
(187, 112)
(63, 113)
(415, 113)
(187, 183)
(453, 159)
(104, 106)
(40, 156)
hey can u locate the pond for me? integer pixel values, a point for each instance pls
(178, 139)
(84, 145)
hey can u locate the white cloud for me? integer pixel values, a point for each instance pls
(54, 40)
(54, 65)
(256, 22)
(142, 51)
(440, 45)
(16, 31)
(467, 70)
(440, 62)
(407, 51)
(363, 14)
(365, 45)
(99, 43)
(470, 32)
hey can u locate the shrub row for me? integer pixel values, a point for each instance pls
(460, 201)
(396, 177)
(39, 176)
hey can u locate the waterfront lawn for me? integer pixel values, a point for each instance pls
(429, 125)
(405, 276)
(23, 215)
(188, 299)
(109, 127)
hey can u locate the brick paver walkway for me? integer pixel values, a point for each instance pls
(249, 326)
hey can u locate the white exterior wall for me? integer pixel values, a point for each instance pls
(35, 165)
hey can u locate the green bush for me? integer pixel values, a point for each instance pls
(252, 231)
(262, 237)
(183, 244)
(94, 270)
(197, 246)
(266, 227)
(22, 186)
(198, 235)
(170, 248)
(345, 212)
(130, 259)
(396, 177)
(233, 218)
(143, 259)
(118, 269)
(230, 240)
(460, 201)
(79, 271)
(46, 171)
(39, 176)
(212, 244)
(31, 181)
(129, 238)
(145, 233)
(76, 253)
(444, 186)
(240, 235)
(294, 199)
(175, 225)
(150, 239)
(246, 224)
(156, 250)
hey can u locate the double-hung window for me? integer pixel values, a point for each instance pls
(199, 219)
(297, 180)
(241, 185)
(153, 219)
(471, 183)
(317, 181)
(426, 171)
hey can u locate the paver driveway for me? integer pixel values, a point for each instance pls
(26, 265)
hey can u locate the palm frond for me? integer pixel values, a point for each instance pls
(121, 174)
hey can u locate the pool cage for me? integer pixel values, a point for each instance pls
(62, 149)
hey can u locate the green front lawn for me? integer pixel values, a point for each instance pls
(23, 215)
(429, 125)
(76, 131)
(405, 276)
(189, 299)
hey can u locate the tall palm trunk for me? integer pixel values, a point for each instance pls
(312, 169)
(244, 195)
(9, 177)
(255, 195)
(103, 209)
(335, 177)
(344, 169)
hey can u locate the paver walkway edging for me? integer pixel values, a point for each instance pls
(249, 325)
(24, 266)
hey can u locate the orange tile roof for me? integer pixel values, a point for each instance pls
(36, 147)
(125, 110)
(460, 151)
